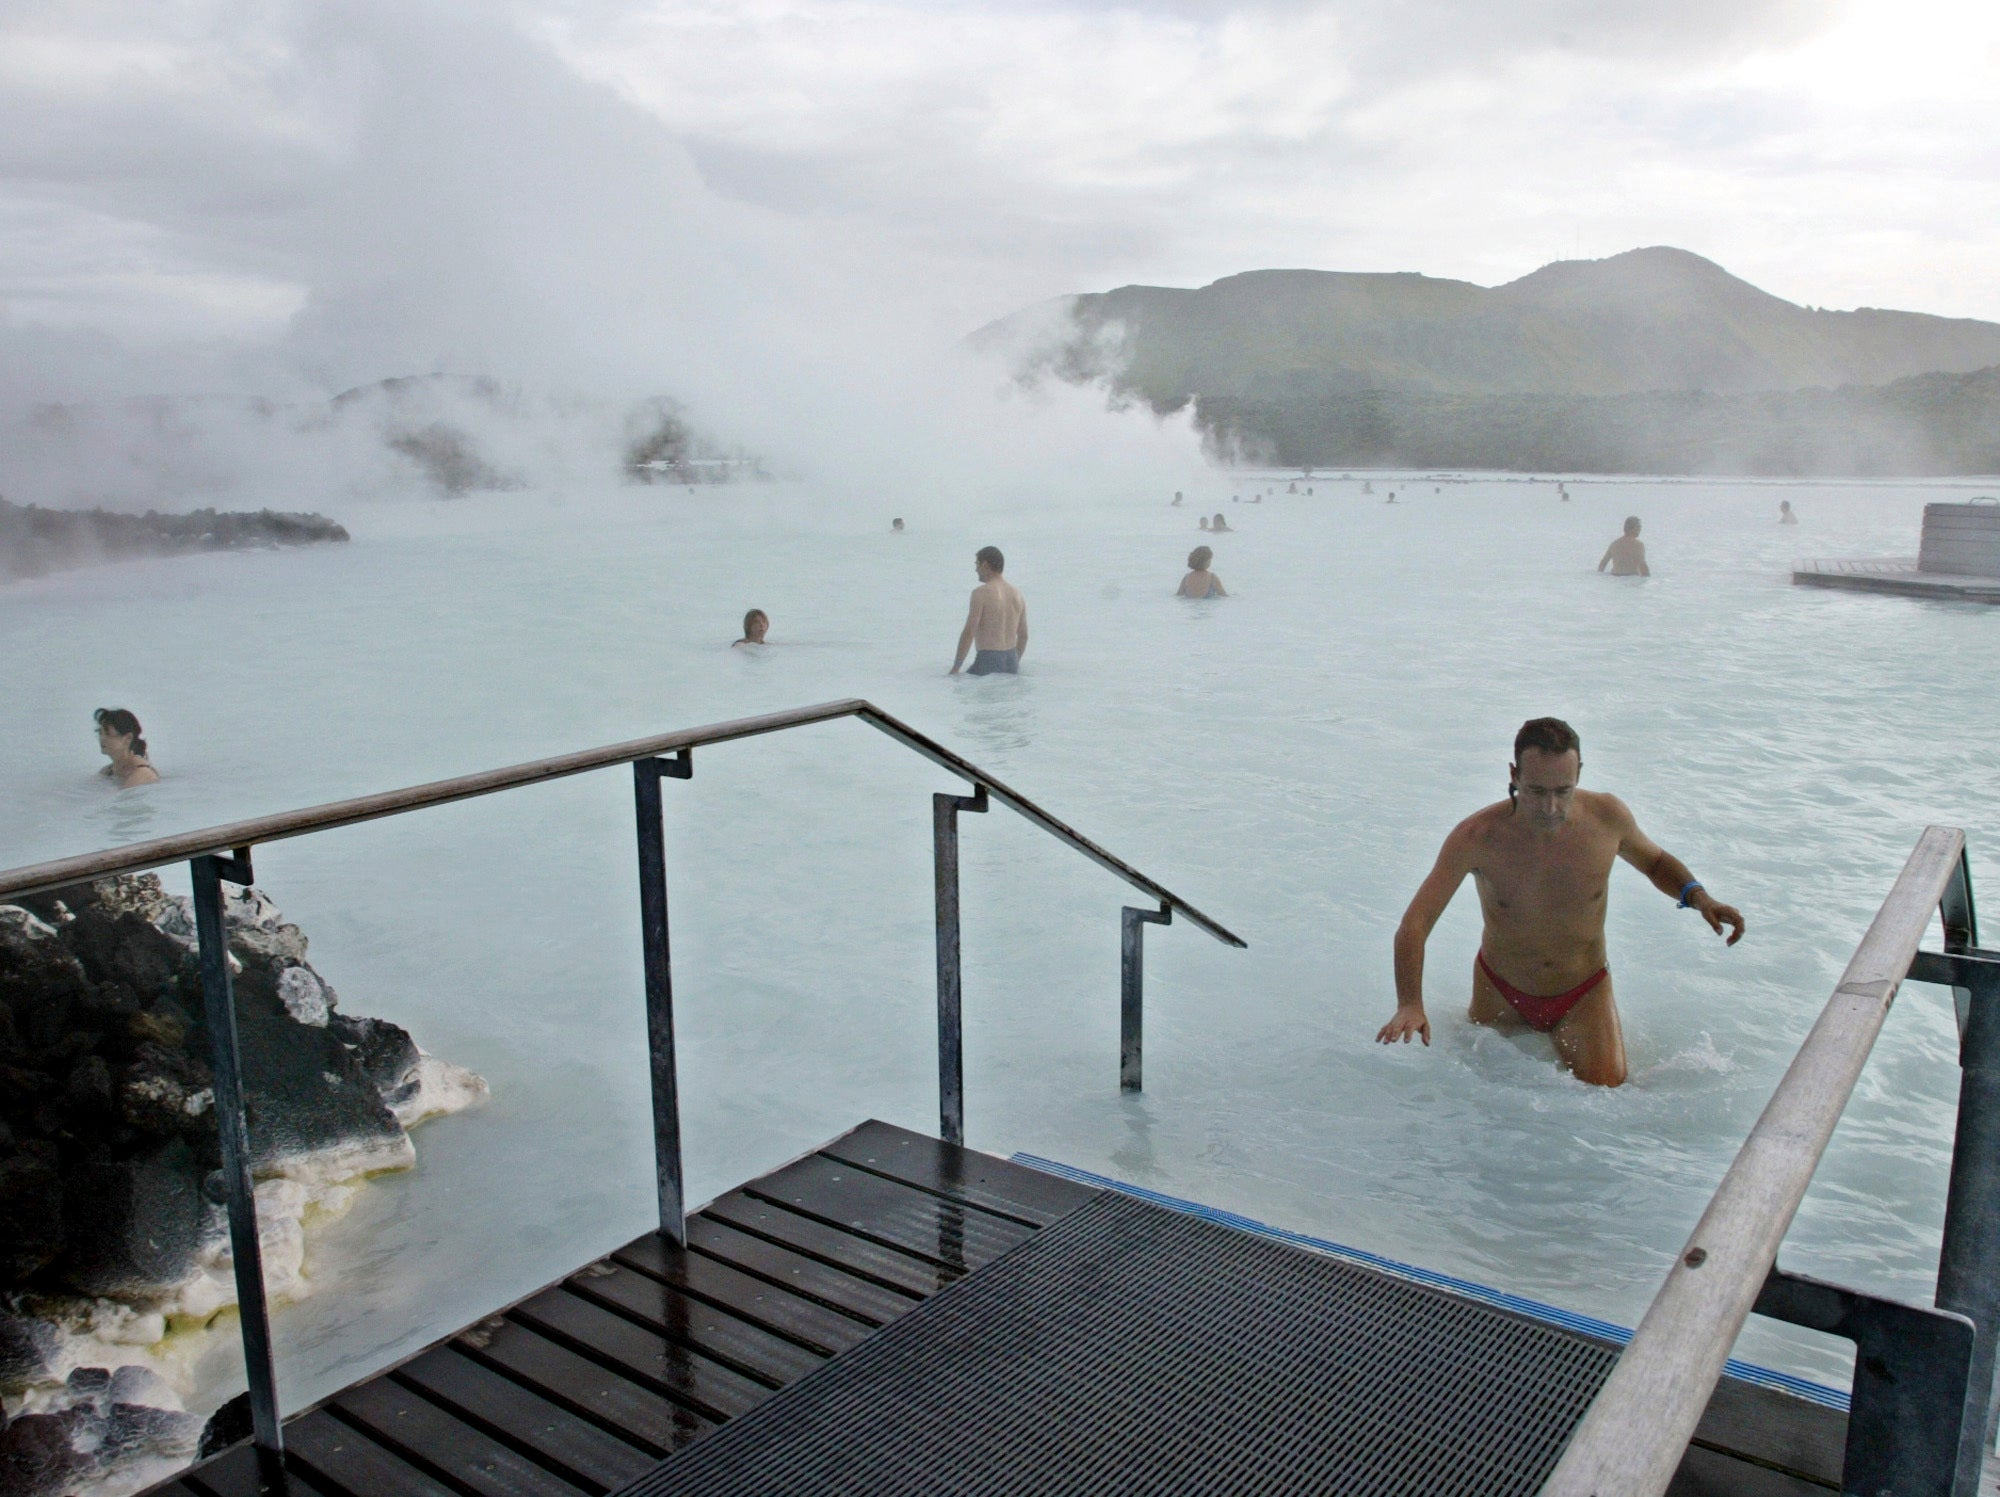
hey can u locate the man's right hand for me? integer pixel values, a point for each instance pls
(1409, 1020)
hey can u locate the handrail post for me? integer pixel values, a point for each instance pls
(225, 1060)
(951, 1034)
(1969, 1257)
(646, 775)
(1132, 925)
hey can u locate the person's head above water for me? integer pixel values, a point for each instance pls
(756, 624)
(118, 732)
(1541, 782)
(1631, 525)
(897, 523)
(120, 740)
(990, 563)
(1199, 558)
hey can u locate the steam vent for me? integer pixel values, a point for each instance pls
(1957, 557)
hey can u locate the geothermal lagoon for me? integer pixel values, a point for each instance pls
(1287, 759)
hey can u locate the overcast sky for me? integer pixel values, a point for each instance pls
(262, 194)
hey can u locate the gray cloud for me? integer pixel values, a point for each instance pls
(710, 198)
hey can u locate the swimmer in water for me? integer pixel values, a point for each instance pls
(1392, 497)
(896, 525)
(1220, 524)
(1626, 556)
(119, 740)
(756, 624)
(997, 621)
(1200, 582)
(1204, 522)
(1177, 500)
(1785, 515)
(1541, 860)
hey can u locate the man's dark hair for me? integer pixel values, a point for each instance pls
(992, 557)
(1549, 734)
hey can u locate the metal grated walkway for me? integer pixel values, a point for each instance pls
(1128, 1348)
(1130, 1344)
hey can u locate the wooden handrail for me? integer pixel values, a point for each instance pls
(137, 857)
(1632, 1438)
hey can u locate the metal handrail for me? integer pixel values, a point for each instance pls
(137, 857)
(222, 853)
(1635, 1434)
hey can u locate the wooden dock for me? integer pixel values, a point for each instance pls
(590, 1385)
(1898, 575)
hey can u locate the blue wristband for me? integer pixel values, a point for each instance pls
(1686, 889)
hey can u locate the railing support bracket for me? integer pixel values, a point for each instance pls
(1911, 1366)
(225, 1060)
(1132, 925)
(951, 1032)
(646, 776)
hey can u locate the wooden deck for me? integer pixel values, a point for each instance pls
(1898, 575)
(588, 1385)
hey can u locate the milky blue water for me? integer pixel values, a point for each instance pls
(1287, 759)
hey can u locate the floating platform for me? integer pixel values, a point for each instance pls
(1899, 575)
(1958, 558)
(891, 1314)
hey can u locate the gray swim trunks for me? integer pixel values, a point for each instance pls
(995, 663)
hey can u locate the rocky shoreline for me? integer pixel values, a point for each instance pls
(36, 541)
(114, 1257)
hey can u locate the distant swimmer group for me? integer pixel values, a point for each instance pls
(1541, 861)
(120, 739)
(1626, 556)
(996, 622)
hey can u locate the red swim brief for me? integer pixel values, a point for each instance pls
(1541, 1013)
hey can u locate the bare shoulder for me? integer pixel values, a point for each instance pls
(1477, 830)
(1607, 810)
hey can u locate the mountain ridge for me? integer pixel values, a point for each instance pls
(1655, 360)
(1650, 319)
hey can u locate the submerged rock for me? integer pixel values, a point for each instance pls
(112, 1218)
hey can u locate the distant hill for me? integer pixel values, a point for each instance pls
(1321, 366)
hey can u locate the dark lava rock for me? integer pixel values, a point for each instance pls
(386, 1053)
(107, 1117)
(231, 1424)
(27, 1349)
(30, 1218)
(133, 1225)
(38, 1457)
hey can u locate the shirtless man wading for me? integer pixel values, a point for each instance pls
(997, 621)
(1541, 860)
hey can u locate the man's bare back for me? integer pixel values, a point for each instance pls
(1541, 862)
(996, 622)
(995, 618)
(1626, 556)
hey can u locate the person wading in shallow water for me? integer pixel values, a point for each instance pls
(1626, 556)
(997, 621)
(119, 740)
(1200, 582)
(1541, 860)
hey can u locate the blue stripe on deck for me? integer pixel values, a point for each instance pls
(1569, 1320)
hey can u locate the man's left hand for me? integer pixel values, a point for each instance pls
(1719, 915)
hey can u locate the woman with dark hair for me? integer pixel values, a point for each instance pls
(756, 624)
(1200, 582)
(119, 740)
